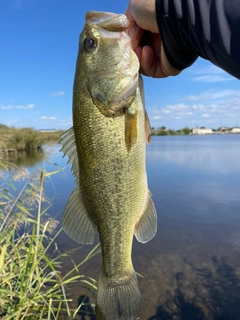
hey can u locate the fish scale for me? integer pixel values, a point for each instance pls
(107, 148)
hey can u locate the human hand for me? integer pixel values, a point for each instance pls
(146, 40)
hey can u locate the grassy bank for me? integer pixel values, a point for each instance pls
(163, 131)
(32, 284)
(25, 138)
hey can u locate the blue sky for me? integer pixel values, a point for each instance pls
(39, 43)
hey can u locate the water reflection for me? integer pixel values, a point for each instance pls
(219, 153)
(204, 293)
(86, 311)
(28, 159)
(191, 269)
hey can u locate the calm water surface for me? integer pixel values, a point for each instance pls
(191, 269)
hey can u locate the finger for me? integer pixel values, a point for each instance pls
(135, 33)
(129, 15)
(133, 29)
(166, 67)
(150, 64)
(138, 52)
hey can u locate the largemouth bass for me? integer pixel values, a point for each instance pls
(107, 146)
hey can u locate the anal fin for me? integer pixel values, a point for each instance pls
(146, 227)
(76, 221)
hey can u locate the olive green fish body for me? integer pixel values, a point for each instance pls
(113, 180)
(107, 147)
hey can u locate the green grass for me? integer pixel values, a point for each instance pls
(26, 138)
(32, 284)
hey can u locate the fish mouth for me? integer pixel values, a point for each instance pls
(113, 28)
(108, 21)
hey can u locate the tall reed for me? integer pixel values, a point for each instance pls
(26, 138)
(32, 285)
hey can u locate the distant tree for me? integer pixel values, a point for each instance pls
(179, 132)
(3, 126)
(172, 132)
(163, 128)
(202, 128)
(163, 132)
(186, 130)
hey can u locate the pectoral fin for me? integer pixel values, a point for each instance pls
(148, 130)
(76, 221)
(146, 227)
(130, 129)
(147, 122)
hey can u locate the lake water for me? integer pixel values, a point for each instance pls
(191, 269)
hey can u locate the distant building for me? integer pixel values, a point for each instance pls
(235, 130)
(47, 130)
(224, 129)
(201, 131)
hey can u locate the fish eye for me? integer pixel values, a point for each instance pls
(90, 43)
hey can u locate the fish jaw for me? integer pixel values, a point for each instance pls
(108, 21)
(111, 83)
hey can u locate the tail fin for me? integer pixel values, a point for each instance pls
(119, 300)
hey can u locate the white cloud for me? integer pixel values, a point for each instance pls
(213, 95)
(212, 78)
(57, 93)
(209, 69)
(176, 109)
(156, 117)
(175, 112)
(208, 108)
(167, 110)
(198, 107)
(48, 118)
(10, 107)
(10, 121)
(209, 74)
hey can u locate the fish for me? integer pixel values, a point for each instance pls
(107, 149)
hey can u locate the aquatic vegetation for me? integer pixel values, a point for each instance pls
(32, 284)
(25, 138)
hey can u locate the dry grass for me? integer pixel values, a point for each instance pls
(32, 285)
(25, 138)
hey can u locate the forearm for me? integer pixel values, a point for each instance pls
(209, 29)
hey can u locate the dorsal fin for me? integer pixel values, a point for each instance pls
(69, 149)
